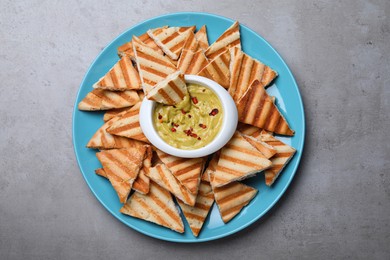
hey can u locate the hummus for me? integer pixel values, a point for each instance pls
(194, 122)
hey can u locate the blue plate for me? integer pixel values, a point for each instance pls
(288, 100)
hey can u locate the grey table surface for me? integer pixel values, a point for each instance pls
(338, 205)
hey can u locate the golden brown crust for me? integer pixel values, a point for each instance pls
(238, 160)
(258, 109)
(99, 99)
(218, 69)
(157, 206)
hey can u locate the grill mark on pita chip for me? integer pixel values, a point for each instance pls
(170, 91)
(103, 140)
(191, 63)
(152, 66)
(99, 99)
(197, 214)
(122, 76)
(244, 70)
(172, 40)
(256, 108)
(231, 198)
(157, 206)
(128, 125)
(191, 44)
(164, 177)
(229, 39)
(122, 167)
(218, 69)
(238, 160)
(127, 48)
(283, 155)
(141, 184)
(267, 150)
(187, 171)
(211, 167)
(201, 36)
(113, 113)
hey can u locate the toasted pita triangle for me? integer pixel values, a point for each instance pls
(164, 177)
(238, 160)
(113, 113)
(201, 36)
(152, 66)
(218, 69)
(99, 99)
(229, 39)
(186, 170)
(128, 125)
(197, 214)
(231, 198)
(258, 109)
(157, 206)
(141, 184)
(191, 63)
(244, 70)
(249, 130)
(103, 140)
(101, 172)
(212, 167)
(171, 40)
(127, 48)
(122, 167)
(283, 155)
(191, 43)
(122, 76)
(267, 150)
(170, 91)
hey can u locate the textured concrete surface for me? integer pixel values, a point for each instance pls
(338, 205)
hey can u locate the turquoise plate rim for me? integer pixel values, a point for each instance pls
(151, 231)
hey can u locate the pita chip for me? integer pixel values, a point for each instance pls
(229, 39)
(152, 66)
(201, 36)
(249, 130)
(101, 172)
(191, 63)
(128, 125)
(238, 160)
(99, 99)
(169, 91)
(283, 155)
(196, 215)
(172, 39)
(218, 69)
(267, 150)
(122, 167)
(122, 76)
(232, 198)
(103, 140)
(127, 48)
(141, 184)
(211, 167)
(164, 177)
(157, 206)
(114, 113)
(258, 109)
(191, 43)
(244, 70)
(186, 170)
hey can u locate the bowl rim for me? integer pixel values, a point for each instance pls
(228, 127)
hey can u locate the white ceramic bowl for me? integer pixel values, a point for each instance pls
(229, 124)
